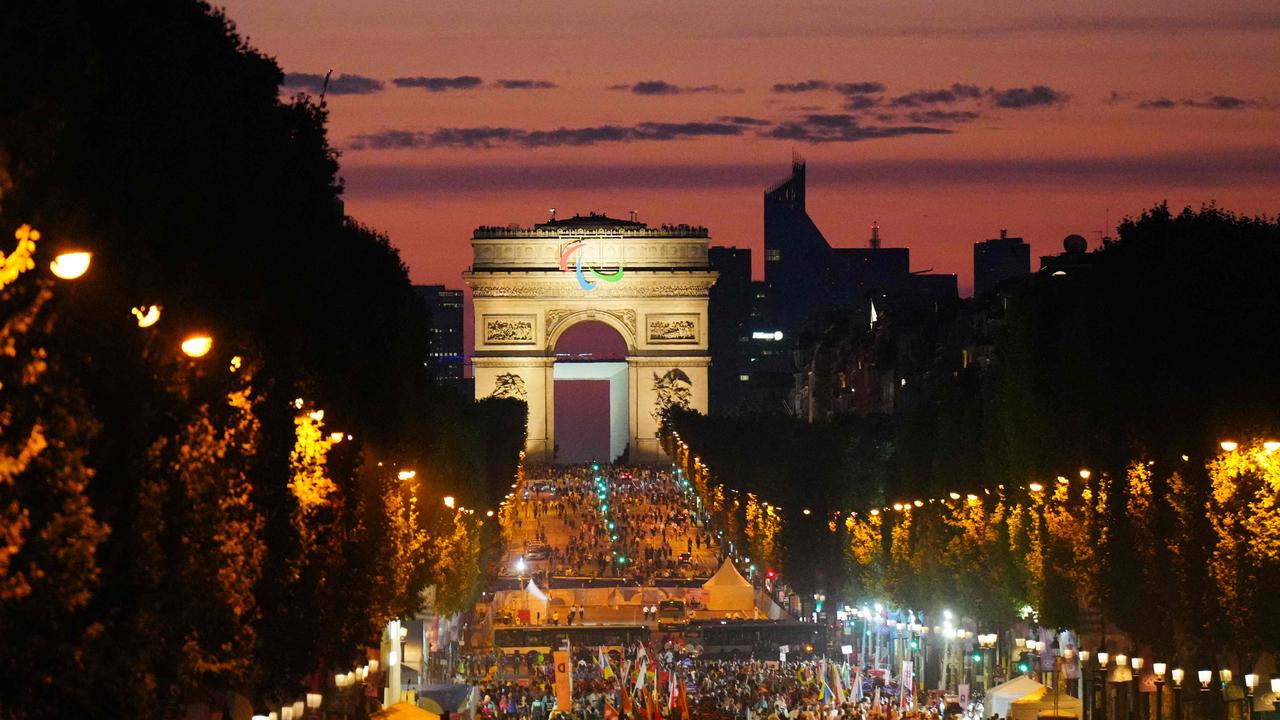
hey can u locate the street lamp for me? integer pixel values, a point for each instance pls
(1177, 674)
(1084, 681)
(1159, 670)
(197, 346)
(1229, 445)
(1136, 664)
(1250, 684)
(71, 265)
(449, 502)
(1102, 679)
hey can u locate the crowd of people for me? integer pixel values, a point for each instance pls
(638, 523)
(711, 689)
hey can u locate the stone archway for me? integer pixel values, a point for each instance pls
(529, 285)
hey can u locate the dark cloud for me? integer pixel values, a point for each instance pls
(945, 96)
(802, 86)
(1222, 102)
(847, 88)
(675, 131)
(490, 137)
(1155, 173)
(860, 102)
(859, 88)
(524, 84)
(1035, 96)
(662, 87)
(1212, 102)
(1010, 98)
(843, 128)
(439, 84)
(743, 120)
(942, 116)
(343, 84)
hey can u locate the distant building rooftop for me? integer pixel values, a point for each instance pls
(590, 223)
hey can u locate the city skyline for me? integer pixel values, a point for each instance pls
(943, 126)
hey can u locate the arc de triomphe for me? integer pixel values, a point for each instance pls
(529, 285)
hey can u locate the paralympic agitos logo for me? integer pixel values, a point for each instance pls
(576, 247)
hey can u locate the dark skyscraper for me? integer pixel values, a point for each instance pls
(805, 275)
(798, 263)
(728, 314)
(997, 260)
(445, 350)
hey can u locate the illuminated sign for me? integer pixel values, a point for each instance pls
(765, 335)
(575, 248)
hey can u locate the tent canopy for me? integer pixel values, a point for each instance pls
(1001, 697)
(1044, 703)
(726, 576)
(728, 591)
(404, 711)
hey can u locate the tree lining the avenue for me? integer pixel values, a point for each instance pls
(177, 526)
(1121, 442)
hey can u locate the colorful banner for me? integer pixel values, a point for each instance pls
(908, 684)
(564, 680)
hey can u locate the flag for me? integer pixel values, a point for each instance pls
(857, 685)
(836, 685)
(684, 702)
(610, 712)
(671, 691)
(604, 666)
(640, 673)
(626, 701)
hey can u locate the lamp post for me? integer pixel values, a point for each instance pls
(1250, 684)
(1224, 676)
(1083, 689)
(1136, 664)
(1177, 674)
(1159, 670)
(1102, 679)
(1205, 677)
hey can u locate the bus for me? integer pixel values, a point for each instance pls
(756, 638)
(615, 639)
(671, 614)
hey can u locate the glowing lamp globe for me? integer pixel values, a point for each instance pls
(71, 265)
(147, 315)
(197, 346)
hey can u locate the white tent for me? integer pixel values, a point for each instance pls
(1044, 703)
(1000, 697)
(727, 590)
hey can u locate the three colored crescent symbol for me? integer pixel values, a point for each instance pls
(583, 283)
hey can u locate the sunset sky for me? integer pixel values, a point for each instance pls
(942, 121)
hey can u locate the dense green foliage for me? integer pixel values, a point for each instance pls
(1135, 364)
(173, 551)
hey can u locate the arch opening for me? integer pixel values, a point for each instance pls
(591, 409)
